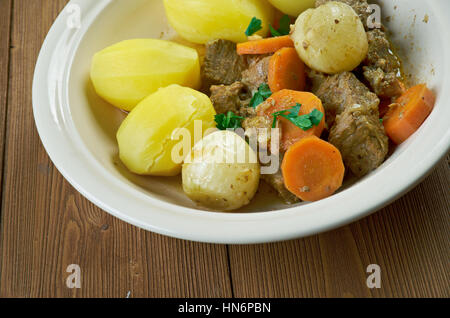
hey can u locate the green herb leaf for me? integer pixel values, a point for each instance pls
(256, 100)
(261, 95)
(275, 117)
(304, 122)
(264, 90)
(230, 120)
(316, 117)
(285, 27)
(274, 32)
(254, 26)
(294, 111)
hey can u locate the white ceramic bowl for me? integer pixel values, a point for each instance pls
(78, 129)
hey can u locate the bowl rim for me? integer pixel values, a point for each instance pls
(86, 174)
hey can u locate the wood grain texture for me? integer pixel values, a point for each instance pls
(408, 240)
(46, 225)
(5, 25)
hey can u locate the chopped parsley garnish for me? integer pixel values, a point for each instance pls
(273, 31)
(293, 112)
(256, 100)
(229, 120)
(254, 26)
(264, 90)
(284, 29)
(316, 117)
(261, 95)
(304, 122)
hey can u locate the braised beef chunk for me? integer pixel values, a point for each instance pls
(255, 58)
(382, 67)
(258, 127)
(276, 181)
(361, 8)
(315, 79)
(232, 97)
(380, 53)
(222, 64)
(352, 111)
(361, 139)
(247, 111)
(261, 122)
(256, 74)
(343, 90)
(384, 84)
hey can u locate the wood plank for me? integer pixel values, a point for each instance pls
(408, 239)
(5, 17)
(47, 225)
(288, 269)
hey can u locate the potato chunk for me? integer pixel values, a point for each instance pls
(293, 8)
(222, 172)
(145, 136)
(127, 72)
(330, 38)
(201, 21)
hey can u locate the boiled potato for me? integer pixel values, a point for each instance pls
(145, 136)
(222, 172)
(293, 7)
(127, 72)
(330, 38)
(201, 21)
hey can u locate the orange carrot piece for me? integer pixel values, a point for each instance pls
(313, 169)
(264, 46)
(286, 70)
(286, 99)
(408, 113)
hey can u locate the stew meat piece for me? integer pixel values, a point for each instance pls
(222, 64)
(257, 73)
(237, 95)
(258, 128)
(340, 91)
(232, 97)
(276, 181)
(360, 137)
(382, 68)
(356, 130)
(315, 79)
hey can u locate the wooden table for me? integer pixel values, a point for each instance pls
(46, 225)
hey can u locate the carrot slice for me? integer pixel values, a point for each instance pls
(286, 70)
(264, 46)
(286, 99)
(408, 113)
(313, 169)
